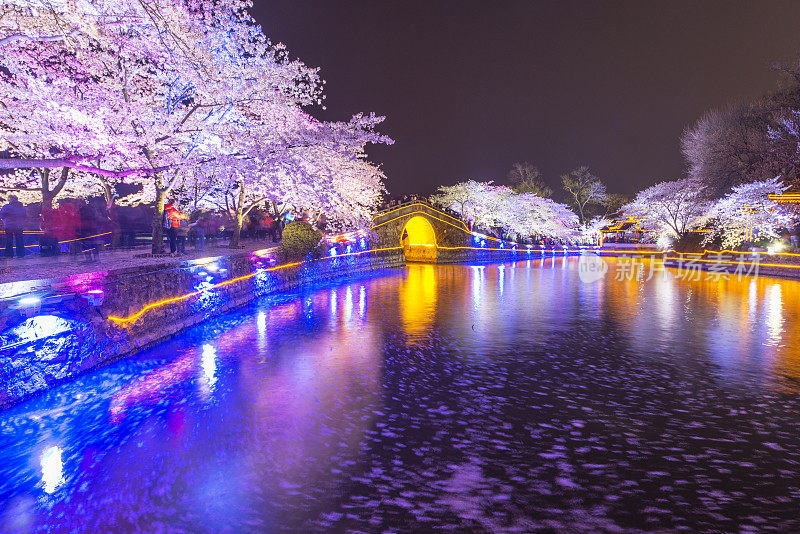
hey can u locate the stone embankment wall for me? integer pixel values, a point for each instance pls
(53, 330)
(781, 265)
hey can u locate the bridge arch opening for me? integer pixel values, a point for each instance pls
(418, 239)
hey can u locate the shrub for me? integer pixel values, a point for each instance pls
(299, 238)
(693, 242)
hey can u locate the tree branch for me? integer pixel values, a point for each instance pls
(14, 37)
(55, 163)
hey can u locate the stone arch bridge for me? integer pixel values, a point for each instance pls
(425, 233)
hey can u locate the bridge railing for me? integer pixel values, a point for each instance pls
(397, 207)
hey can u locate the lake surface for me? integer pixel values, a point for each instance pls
(510, 397)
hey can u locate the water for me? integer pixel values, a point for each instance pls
(485, 398)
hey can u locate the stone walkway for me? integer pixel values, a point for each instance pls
(36, 267)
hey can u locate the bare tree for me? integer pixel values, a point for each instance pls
(526, 178)
(613, 203)
(583, 189)
(745, 142)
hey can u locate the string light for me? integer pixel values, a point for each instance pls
(125, 321)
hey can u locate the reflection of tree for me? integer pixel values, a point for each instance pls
(742, 326)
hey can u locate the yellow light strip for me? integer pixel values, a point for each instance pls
(785, 197)
(519, 250)
(464, 227)
(418, 204)
(706, 251)
(152, 305)
(70, 240)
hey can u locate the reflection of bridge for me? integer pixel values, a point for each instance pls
(432, 236)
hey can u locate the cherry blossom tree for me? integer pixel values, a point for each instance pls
(316, 166)
(591, 230)
(524, 214)
(530, 215)
(136, 89)
(670, 208)
(149, 91)
(465, 198)
(747, 212)
(35, 185)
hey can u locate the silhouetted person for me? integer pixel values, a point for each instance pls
(90, 228)
(69, 227)
(51, 229)
(198, 229)
(272, 227)
(14, 214)
(182, 233)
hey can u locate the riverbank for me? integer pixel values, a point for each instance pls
(54, 329)
(721, 262)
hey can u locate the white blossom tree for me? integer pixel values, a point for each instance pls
(315, 166)
(463, 198)
(149, 91)
(591, 230)
(136, 89)
(524, 214)
(747, 212)
(670, 208)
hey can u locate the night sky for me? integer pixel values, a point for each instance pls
(469, 87)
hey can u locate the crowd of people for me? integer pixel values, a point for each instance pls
(82, 228)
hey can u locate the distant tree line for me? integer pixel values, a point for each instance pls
(737, 156)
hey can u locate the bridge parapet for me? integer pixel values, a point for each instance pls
(423, 231)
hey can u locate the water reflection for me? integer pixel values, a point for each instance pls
(208, 365)
(52, 468)
(272, 417)
(418, 298)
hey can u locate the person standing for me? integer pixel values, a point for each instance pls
(48, 242)
(183, 233)
(90, 224)
(69, 227)
(172, 222)
(13, 215)
(197, 228)
(270, 225)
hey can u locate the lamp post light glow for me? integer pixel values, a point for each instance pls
(52, 468)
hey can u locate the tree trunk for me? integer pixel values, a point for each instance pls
(237, 232)
(239, 218)
(111, 211)
(158, 228)
(48, 194)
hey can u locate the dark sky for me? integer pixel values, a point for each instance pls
(470, 87)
